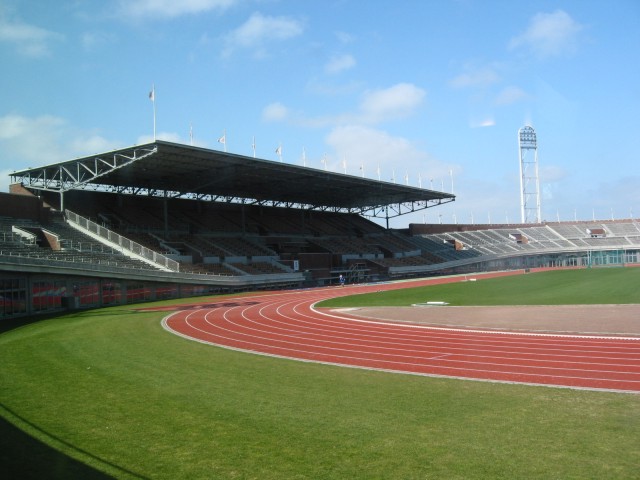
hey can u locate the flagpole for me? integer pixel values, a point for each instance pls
(152, 97)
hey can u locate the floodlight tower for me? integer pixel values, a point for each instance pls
(529, 181)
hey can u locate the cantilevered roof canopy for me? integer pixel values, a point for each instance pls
(173, 170)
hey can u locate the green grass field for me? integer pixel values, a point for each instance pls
(109, 393)
(558, 287)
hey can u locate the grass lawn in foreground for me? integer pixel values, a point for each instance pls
(556, 287)
(110, 391)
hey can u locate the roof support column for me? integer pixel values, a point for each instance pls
(244, 220)
(165, 205)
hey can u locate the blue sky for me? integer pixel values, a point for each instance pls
(423, 92)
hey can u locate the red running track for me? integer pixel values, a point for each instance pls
(287, 325)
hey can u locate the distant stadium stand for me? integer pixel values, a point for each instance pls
(564, 244)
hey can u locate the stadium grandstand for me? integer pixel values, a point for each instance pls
(165, 220)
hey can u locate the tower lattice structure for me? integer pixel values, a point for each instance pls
(529, 179)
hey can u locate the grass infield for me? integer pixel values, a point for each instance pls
(109, 393)
(555, 287)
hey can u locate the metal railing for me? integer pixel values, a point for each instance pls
(123, 242)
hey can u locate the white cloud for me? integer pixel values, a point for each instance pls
(374, 148)
(510, 95)
(553, 173)
(487, 121)
(260, 29)
(29, 40)
(369, 145)
(27, 142)
(35, 141)
(170, 8)
(322, 87)
(476, 77)
(90, 143)
(344, 37)
(93, 40)
(549, 35)
(398, 101)
(339, 63)
(275, 112)
(376, 106)
(30, 141)
(5, 180)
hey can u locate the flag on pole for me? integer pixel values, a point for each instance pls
(191, 133)
(152, 97)
(223, 139)
(253, 146)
